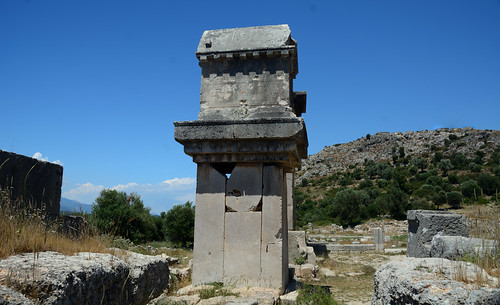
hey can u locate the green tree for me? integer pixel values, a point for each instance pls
(454, 199)
(398, 202)
(124, 215)
(439, 198)
(453, 178)
(420, 163)
(444, 165)
(401, 152)
(489, 184)
(470, 189)
(438, 156)
(349, 207)
(179, 224)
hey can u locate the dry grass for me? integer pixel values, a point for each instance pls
(22, 232)
(484, 222)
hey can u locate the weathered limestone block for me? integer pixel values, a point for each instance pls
(43, 181)
(242, 248)
(208, 256)
(423, 225)
(452, 247)
(247, 73)
(433, 281)
(290, 200)
(274, 249)
(86, 278)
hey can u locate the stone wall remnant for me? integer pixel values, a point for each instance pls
(248, 139)
(423, 225)
(32, 183)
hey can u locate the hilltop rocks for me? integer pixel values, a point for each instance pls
(85, 278)
(380, 147)
(433, 281)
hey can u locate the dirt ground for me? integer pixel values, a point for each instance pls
(353, 273)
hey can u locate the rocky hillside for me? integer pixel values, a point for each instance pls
(384, 145)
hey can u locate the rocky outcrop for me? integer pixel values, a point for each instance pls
(381, 146)
(429, 281)
(86, 278)
(452, 247)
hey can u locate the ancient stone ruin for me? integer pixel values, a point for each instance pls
(423, 225)
(31, 183)
(248, 137)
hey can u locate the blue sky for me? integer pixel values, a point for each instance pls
(97, 85)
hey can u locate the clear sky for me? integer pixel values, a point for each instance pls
(97, 85)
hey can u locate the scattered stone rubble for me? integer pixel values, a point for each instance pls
(427, 276)
(85, 278)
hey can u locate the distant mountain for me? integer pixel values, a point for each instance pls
(69, 205)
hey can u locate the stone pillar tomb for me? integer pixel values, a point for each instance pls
(248, 139)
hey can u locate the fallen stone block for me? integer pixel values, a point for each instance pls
(327, 272)
(306, 271)
(452, 247)
(86, 278)
(289, 298)
(433, 281)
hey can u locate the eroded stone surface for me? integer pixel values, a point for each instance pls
(452, 247)
(433, 281)
(424, 225)
(86, 278)
(12, 297)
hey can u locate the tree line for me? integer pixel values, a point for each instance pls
(121, 214)
(374, 189)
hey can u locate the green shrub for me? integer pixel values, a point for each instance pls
(315, 295)
(382, 183)
(474, 167)
(453, 178)
(365, 183)
(421, 204)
